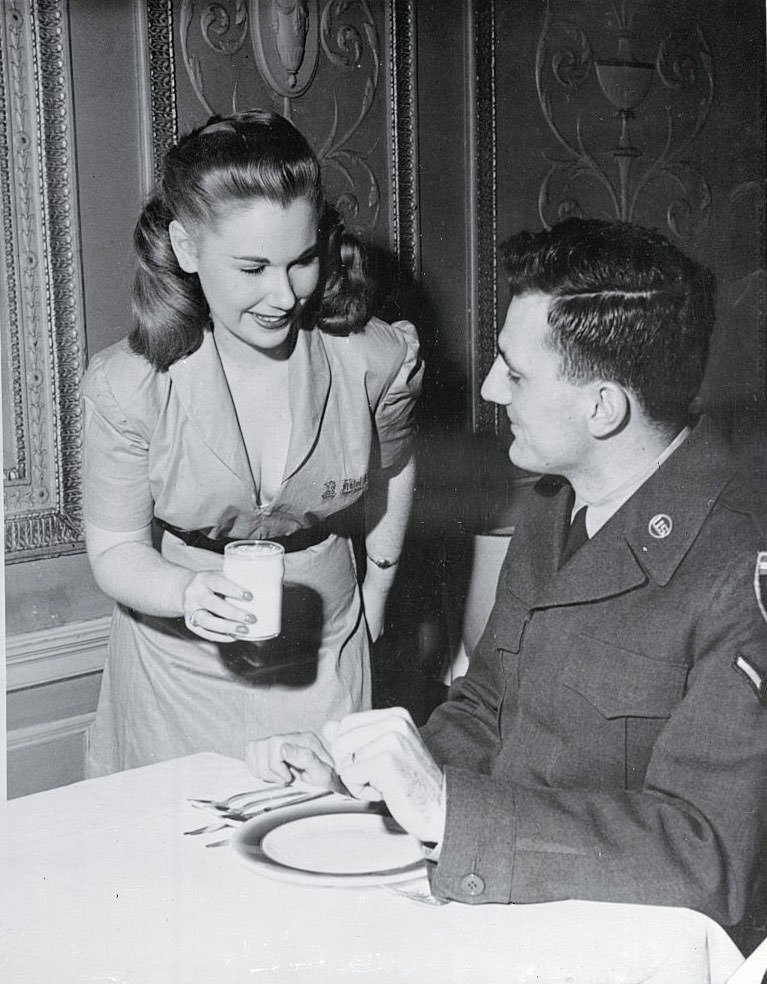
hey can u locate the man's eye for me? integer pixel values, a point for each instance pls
(253, 270)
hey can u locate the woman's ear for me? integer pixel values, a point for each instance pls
(610, 409)
(183, 246)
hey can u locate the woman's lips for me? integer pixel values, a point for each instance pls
(271, 323)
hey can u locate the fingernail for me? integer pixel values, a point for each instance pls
(251, 618)
(242, 629)
(247, 596)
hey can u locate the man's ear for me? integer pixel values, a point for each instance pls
(610, 409)
(183, 246)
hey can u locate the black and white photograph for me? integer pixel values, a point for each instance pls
(383, 389)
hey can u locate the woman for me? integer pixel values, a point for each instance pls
(254, 399)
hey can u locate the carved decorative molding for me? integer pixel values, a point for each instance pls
(403, 104)
(40, 285)
(162, 79)
(236, 54)
(484, 213)
(286, 42)
(596, 94)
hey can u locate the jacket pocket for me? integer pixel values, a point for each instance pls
(620, 702)
(620, 683)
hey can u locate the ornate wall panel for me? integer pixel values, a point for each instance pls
(342, 70)
(40, 285)
(624, 123)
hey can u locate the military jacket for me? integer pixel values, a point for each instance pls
(609, 740)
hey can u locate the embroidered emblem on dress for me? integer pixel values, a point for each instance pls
(350, 485)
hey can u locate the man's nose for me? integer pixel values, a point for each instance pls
(495, 388)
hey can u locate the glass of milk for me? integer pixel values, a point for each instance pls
(258, 566)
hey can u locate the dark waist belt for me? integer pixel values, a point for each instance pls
(300, 540)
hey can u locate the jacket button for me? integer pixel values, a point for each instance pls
(472, 884)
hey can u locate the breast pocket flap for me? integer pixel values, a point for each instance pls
(619, 683)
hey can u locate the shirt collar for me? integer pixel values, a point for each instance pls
(598, 512)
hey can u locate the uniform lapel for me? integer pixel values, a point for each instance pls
(663, 518)
(536, 545)
(202, 390)
(309, 382)
(645, 540)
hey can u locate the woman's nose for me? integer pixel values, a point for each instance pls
(281, 293)
(495, 387)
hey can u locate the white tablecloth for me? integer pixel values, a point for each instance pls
(97, 884)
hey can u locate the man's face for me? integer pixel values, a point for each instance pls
(548, 414)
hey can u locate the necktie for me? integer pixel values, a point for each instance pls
(576, 535)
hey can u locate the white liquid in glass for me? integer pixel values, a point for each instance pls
(258, 566)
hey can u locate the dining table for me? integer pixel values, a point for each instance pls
(100, 883)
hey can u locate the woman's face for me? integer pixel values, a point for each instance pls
(258, 265)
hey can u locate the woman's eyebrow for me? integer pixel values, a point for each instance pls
(262, 260)
(265, 261)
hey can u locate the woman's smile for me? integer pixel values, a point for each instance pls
(270, 322)
(257, 266)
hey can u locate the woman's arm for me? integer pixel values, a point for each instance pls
(127, 567)
(387, 508)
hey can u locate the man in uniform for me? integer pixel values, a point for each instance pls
(609, 740)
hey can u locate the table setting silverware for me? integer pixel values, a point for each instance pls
(229, 802)
(417, 892)
(255, 808)
(251, 798)
(207, 828)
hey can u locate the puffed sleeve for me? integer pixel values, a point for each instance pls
(395, 413)
(116, 490)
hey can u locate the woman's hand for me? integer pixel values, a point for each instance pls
(128, 568)
(283, 758)
(211, 610)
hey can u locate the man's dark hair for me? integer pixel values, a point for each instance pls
(626, 306)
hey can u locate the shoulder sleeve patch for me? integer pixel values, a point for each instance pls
(755, 676)
(760, 582)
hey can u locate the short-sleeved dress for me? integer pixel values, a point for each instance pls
(167, 446)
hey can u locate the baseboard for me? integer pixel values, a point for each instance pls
(47, 754)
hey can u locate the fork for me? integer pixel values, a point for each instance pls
(235, 804)
(225, 804)
(234, 817)
(208, 828)
(277, 799)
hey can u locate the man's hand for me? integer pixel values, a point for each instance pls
(283, 758)
(380, 755)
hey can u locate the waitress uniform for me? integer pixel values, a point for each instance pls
(166, 446)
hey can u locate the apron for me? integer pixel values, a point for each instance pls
(167, 693)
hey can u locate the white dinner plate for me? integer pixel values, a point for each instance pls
(337, 842)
